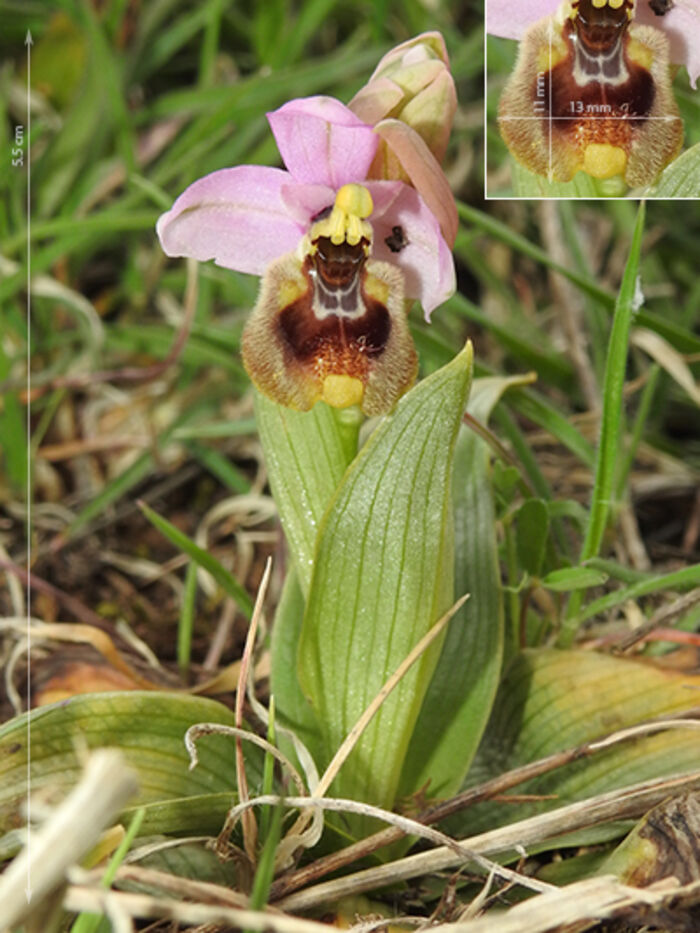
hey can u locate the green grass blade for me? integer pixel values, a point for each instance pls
(612, 416)
(265, 872)
(225, 579)
(220, 467)
(502, 232)
(686, 578)
(89, 923)
(185, 624)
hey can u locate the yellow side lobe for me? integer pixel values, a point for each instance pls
(342, 391)
(639, 53)
(290, 290)
(602, 160)
(375, 288)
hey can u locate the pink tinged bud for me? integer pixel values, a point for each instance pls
(428, 45)
(427, 111)
(413, 83)
(376, 100)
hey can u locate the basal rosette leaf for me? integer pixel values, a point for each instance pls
(292, 709)
(383, 575)
(551, 700)
(149, 728)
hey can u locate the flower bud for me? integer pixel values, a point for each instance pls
(411, 101)
(412, 83)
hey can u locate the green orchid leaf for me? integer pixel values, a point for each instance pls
(199, 814)
(306, 454)
(463, 687)
(531, 530)
(681, 179)
(149, 728)
(383, 576)
(573, 578)
(292, 709)
(191, 860)
(552, 699)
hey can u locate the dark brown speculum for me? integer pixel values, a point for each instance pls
(336, 322)
(597, 86)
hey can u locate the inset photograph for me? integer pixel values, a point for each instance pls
(593, 98)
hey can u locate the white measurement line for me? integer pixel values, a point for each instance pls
(550, 126)
(579, 117)
(28, 42)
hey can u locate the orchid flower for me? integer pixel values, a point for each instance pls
(411, 100)
(591, 91)
(679, 20)
(338, 254)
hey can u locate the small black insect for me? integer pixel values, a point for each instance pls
(397, 240)
(660, 7)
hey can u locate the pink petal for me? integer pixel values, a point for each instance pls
(304, 202)
(235, 216)
(425, 173)
(510, 20)
(425, 260)
(682, 26)
(322, 141)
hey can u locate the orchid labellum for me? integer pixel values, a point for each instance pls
(591, 91)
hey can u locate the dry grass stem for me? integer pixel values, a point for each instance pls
(627, 803)
(97, 900)
(585, 902)
(14, 588)
(73, 828)
(407, 826)
(660, 618)
(569, 303)
(215, 728)
(445, 808)
(72, 604)
(250, 827)
(176, 885)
